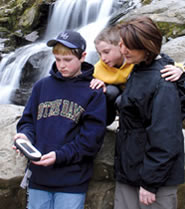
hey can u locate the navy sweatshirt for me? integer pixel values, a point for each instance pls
(66, 116)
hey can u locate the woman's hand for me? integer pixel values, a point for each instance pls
(171, 73)
(46, 160)
(96, 84)
(146, 197)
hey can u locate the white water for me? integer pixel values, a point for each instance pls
(87, 16)
(73, 13)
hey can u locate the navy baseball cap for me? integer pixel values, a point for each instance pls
(70, 39)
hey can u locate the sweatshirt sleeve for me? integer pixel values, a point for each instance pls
(164, 137)
(90, 138)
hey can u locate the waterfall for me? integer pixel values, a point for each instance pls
(86, 16)
(11, 68)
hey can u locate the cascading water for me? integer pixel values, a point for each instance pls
(66, 14)
(87, 16)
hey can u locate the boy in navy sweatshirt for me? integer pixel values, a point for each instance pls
(65, 120)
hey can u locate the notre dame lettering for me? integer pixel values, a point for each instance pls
(59, 107)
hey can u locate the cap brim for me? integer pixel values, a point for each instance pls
(53, 42)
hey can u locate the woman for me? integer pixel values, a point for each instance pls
(149, 150)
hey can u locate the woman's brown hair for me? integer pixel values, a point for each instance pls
(143, 34)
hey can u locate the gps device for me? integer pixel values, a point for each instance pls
(27, 149)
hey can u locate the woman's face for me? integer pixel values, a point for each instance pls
(132, 56)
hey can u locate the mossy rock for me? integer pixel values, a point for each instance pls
(171, 29)
(145, 2)
(5, 30)
(4, 2)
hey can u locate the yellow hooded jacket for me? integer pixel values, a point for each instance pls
(112, 75)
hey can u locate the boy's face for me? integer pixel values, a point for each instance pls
(69, 65)
(110, 54)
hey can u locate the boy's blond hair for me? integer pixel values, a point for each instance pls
(63, 50)
(110, 35)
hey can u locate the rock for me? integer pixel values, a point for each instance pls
(32, 37)
(175, 48)
(100, 195)
(31, 73)
(101, 189)
(24, 16)
(12, 165)
(181, 195)
(169, 15)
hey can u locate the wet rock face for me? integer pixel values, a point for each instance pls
(30, 74)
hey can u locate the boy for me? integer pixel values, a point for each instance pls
(65, 120)
(113, 71)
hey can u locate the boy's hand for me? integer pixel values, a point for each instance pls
(19, 135)
(96, 84)
(171, 73)
(146, 197)
(46, 160)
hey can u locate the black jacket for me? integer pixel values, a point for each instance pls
(181, 89)
(149, 148)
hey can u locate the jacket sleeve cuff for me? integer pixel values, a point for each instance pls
(60, 158)
(150, 189)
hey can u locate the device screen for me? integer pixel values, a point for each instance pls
(27, 147)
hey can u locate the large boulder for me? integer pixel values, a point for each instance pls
(175, 48)
(12, 165)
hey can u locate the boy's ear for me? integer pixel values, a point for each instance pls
(82, 59)
(120, 44)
